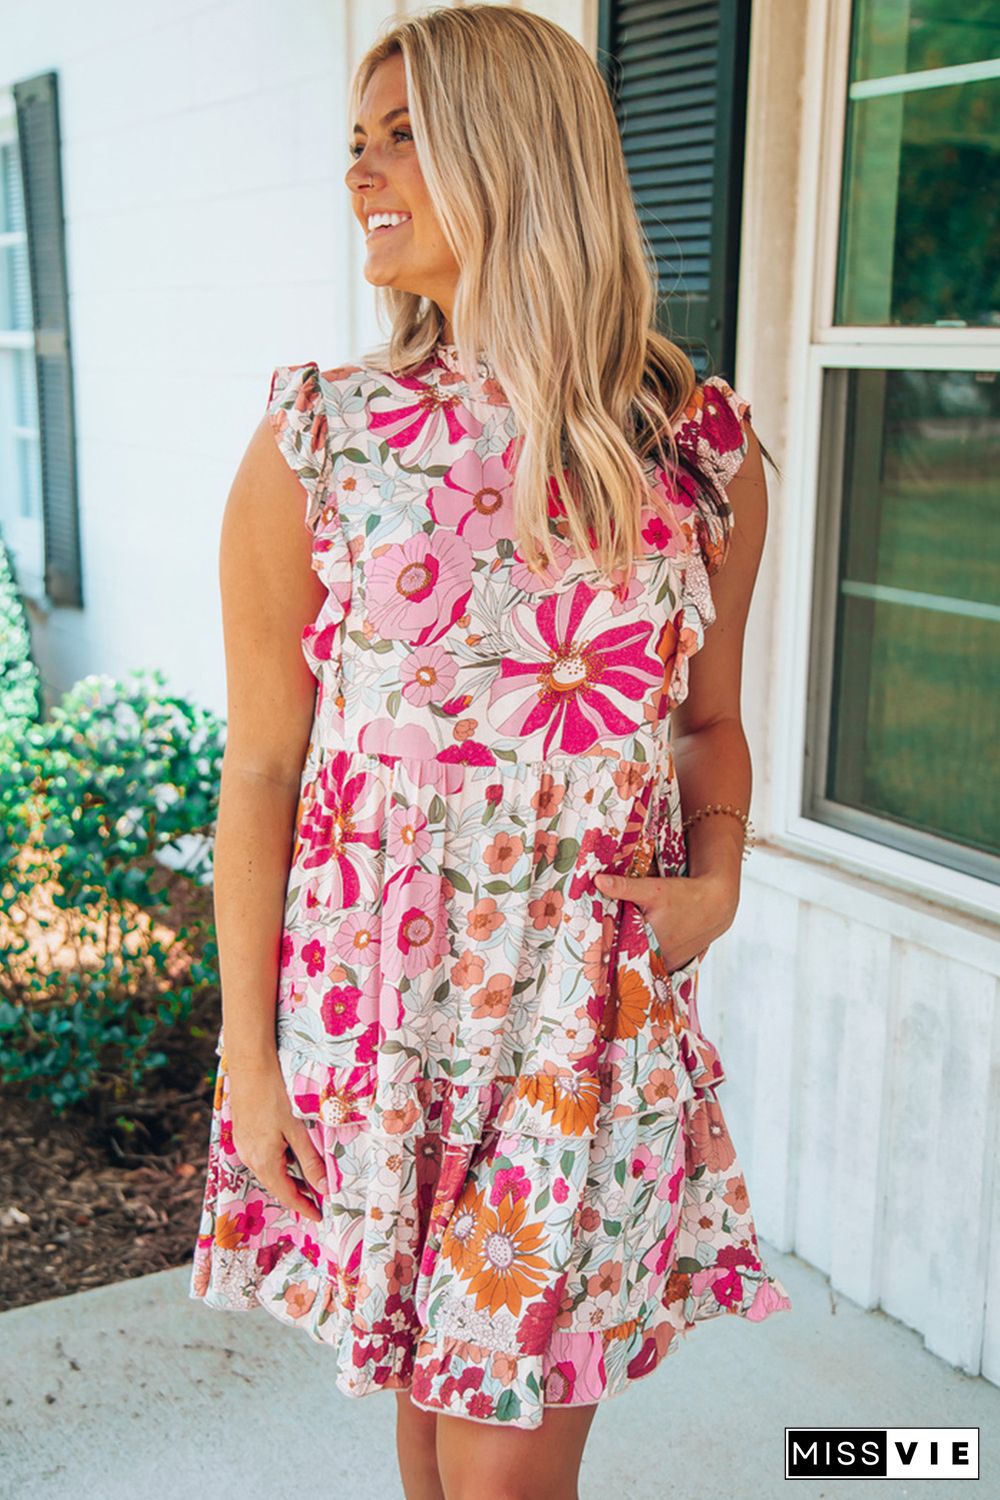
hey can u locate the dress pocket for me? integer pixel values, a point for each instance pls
(677, 991)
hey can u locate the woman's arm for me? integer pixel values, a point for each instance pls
(269, 594)
(710, 748)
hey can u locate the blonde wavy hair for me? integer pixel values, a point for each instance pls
(519, 148)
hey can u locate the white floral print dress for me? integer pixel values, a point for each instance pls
(531, 1187)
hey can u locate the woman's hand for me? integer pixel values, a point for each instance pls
(264, 1129)
(686, 912)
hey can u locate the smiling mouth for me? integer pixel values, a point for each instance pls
(386, 229)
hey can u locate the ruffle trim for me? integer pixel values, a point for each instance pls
(711, 430)
(299, 416)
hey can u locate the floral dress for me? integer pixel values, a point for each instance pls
(531, 1187)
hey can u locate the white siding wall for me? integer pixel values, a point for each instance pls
(204, 153)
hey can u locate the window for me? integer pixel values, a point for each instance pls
(905, 712)
(38, 499)
(20, 463)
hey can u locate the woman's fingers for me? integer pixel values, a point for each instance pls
(644, 890)
(309, 1158)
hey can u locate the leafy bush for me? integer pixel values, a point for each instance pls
(107, 812)
(20, 684)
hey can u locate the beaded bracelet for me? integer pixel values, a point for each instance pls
(749, 838)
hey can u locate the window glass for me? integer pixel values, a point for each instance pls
(916, 667)
(921, 200)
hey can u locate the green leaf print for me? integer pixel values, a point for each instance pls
(542, 1201)
(458, 880)
(508, 1407)
(566, 853)
(355, 456)
(612, 1227)
(435, 813)
(394, 703)
(566, 1163)
(621, 1168)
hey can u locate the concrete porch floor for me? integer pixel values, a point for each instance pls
(137, 1390)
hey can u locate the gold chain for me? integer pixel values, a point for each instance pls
(749, 837)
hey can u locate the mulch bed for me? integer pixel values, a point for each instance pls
(82, 1206)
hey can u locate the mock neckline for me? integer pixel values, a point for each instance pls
(446, 352)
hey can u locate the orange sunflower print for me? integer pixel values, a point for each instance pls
(572, 1099)
(633, 1003)
(505, 1255)
(460, 1235)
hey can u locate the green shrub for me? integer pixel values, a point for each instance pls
(108, 810)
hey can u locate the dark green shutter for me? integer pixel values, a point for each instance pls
(677, 74)
(37, 105)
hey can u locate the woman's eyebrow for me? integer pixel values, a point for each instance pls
(402, 109)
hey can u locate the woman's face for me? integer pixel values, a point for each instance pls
(385, 177)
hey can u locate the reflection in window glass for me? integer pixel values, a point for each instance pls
(916, 689)
(921, 196)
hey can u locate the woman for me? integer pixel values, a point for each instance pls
(473, 1144)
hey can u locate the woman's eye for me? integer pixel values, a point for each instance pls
(356, 150)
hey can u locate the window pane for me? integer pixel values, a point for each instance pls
(916, 675)
(15, 285)
(921, 195)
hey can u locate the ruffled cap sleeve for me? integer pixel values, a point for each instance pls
(298, 413)
(711, 432)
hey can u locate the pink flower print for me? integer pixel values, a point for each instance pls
(579, 678)
(414, 915)
(408, 837)
(560, 1190)
(512, 1180)
(625, 593)
(427, 675)
(644, 1164)
(339, 1008)
(339, 834)
(656, 533)
(417, 589)
(356, 939)
(423, 425)
(560, 555)
(474, 497)
(685, 489)
(313, 957)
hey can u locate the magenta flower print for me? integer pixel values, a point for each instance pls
(339, 1008)
(583, 674)
(339, 834)
(427, 675)
(475, 498)
(414, 927)
(417, 589)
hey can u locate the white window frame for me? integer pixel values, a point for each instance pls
(24, 535)
(819, 346)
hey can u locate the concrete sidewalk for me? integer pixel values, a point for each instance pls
(134, 1390)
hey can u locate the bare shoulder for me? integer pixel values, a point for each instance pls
(267, 500)
(747, 495)
(270, 592)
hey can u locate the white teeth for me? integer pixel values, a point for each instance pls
(375, 221)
